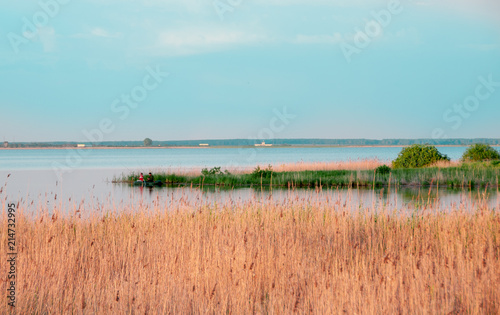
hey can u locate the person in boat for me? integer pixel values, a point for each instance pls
(141, 177)
(150, 178)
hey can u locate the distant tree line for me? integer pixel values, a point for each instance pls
(247, 142)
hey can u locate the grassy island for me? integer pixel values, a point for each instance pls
(452, 175)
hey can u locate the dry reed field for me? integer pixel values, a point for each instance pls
(258, 257)
(356, 165)
(360, 164)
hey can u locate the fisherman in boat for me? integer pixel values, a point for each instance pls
(150, 178)
(141, 178)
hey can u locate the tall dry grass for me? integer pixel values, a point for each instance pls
(354, 165)
(258, 257)
(444, 163)
(360, 164)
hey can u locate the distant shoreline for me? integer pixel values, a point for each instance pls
(231, 147)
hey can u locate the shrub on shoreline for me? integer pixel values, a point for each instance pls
(384, 169)
(418, 155)
(263, 173)
(480, 152)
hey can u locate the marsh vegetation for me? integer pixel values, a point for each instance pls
(259, 256)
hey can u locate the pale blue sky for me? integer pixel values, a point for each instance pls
(226, 76)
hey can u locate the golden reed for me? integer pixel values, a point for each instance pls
(360, 164)
(257, 257)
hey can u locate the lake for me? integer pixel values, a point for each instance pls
(133, 159)
(63, 178)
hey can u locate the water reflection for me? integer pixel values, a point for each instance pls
(413, 198)
(90, 191)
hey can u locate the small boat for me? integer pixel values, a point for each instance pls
(157, 183)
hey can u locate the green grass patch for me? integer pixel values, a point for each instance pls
(476, 174)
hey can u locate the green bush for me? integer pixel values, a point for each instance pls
(212, 172)
(418, 155)
(383, 169)
(480, 152)
(263, 173)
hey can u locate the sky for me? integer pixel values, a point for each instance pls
(108, 70)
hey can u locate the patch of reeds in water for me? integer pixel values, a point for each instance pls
(361, 173)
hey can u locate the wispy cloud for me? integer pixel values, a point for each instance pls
(200, 40)
(485, 47)
(99, 32)
(47, 38)
(487, 9)
(318, 39)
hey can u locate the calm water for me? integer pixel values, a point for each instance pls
(64, 178)
(126, 159)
